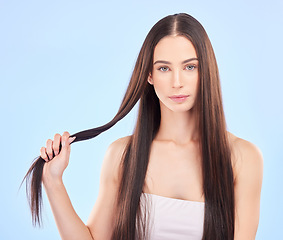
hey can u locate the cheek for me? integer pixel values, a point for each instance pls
(194, 84)
(161, 87)
(161, 82)
(159, 91)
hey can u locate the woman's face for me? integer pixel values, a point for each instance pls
(175, 72)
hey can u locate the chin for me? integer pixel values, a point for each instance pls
(178, 107)
(181, 110)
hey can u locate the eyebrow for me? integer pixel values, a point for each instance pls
(166, 62)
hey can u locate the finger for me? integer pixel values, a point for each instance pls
(65, 137)
(43, 154)
(49, 149)
(56, 143)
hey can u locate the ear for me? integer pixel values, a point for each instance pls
(149, 79)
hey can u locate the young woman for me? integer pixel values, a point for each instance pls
(181, 174)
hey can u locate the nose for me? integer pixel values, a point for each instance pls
(177, 83)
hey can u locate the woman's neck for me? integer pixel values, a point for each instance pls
(177, 127)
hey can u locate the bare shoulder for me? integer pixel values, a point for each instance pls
(114, 154)
(117, 148)
(245, 154)
(242, 145)
(120, 143)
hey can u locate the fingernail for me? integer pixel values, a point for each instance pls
(56, 153)
(71, 139)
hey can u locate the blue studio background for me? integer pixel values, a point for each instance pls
(65, 66)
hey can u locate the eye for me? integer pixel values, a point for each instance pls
(163, 68)
(191, 67)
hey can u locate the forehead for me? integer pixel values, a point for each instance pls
(172, 48)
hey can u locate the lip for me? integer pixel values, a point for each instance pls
(179, 98)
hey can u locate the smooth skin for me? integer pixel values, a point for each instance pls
(174, 168)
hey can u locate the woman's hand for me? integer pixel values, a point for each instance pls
(56, 162)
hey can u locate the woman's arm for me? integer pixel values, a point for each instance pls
(248, 183)
(69, 224)
(100, 223)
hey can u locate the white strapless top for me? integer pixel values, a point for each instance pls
(173, 219)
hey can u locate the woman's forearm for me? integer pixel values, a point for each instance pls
(69, 224)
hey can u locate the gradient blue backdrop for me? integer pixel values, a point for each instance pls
(65, 65)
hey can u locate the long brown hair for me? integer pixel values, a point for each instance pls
(217, 172)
